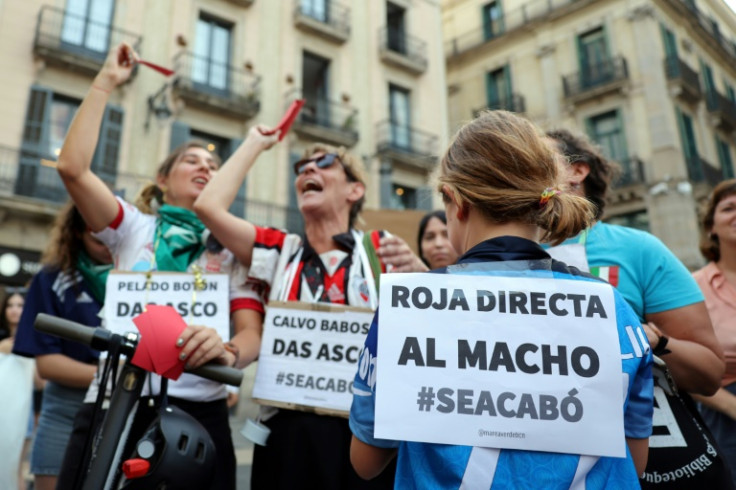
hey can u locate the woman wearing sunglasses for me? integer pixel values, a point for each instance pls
(328, 266)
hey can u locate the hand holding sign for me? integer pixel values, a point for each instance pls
(288, 119)
(157, 351)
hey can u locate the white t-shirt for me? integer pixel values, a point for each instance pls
(131, 244)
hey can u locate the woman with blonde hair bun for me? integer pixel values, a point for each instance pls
(501, 184)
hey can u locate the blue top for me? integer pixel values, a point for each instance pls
(425, 465)
(61, 295)
(640, 266)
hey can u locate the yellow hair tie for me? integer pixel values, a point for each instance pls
(547, 195)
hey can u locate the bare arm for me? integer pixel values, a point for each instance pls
(369, 461)
(639, 449)
(65, 370)
(248, 331)
(723, 401)
(213, 202)
(696, 358)
(92, 197)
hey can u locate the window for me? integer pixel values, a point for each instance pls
(316, 89)
(607, 130)
(498, 89)
(669, 41)
(403, 197)
(210, 67)
(708, 80)
(595, 66)
(47, 121)
(396, 28)
(316, 9)
(400, 115)
(724, 158)
(689, 146)
(730, 93)
(87, 25)
(492, 20)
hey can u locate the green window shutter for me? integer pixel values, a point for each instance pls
(36, 127)
(180, 134)
(105, 159)
(724, 158)
(35, 145)
(669, 41)
(508, 91)
(730, 92)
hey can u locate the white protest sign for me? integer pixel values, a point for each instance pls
(521, 363)
(309, 353)
(127, 294)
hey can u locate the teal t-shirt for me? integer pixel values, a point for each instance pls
(640, 266)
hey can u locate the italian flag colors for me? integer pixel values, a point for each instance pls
(608, 273)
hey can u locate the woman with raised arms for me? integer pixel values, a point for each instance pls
(331, 265)
(173, 239)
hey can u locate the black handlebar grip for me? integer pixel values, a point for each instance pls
(219, 373)
(59, 327)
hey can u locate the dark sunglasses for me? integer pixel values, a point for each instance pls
(322, 162)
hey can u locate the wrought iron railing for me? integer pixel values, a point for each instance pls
(700, 170)
(235, 86)
(84, 38)
(708, 27)
(398, 41)
(594, 76)
(391, 136)
(721, 105)
(327, 114)
(331, 13)
(509, 21)
(676, 69)
(632, 172)
(514, 103)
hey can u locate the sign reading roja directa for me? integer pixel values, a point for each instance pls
(507, 362)
(309, 355)
(207, 303)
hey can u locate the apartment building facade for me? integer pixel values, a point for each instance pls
(652, 82)
(372, 74)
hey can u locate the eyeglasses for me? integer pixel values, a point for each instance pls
(322, 162)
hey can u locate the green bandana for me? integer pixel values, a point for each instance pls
(95, 275)
(178, 238)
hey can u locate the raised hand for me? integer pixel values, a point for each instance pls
(117, 67)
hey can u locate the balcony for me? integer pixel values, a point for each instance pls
(406, 145)
(632, 172)
(213, 86)
(241, 3)
(707, 29)
(515, 103)
(596, 80)
(722, 111)
(531, 13)
(683, 81)
(331, 22)
(700, 170)
(76, 43)
(399, 49)
(324, 120)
